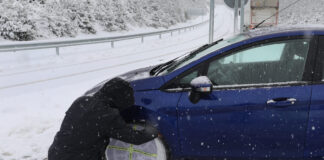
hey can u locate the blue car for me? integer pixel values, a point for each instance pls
(257, 95)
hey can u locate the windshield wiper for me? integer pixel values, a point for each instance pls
(159, 67)
(206, 46)
(164, 66)
(153, 71)
(202, 48)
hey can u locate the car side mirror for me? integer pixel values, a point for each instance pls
(200, 86)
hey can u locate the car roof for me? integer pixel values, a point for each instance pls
(302, 30)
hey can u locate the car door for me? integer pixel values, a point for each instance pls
(259, 104)
(315, 132)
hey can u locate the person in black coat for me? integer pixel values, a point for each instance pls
(95, 118)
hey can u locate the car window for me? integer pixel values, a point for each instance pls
(321, 58)
(257, 54)
(282, 61)
(188, 78)
(323, 74)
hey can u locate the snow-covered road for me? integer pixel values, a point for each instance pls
(37, 87)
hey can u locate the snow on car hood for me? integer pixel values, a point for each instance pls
(137, 74)
(141, 79)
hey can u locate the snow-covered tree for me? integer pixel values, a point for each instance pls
(31, 19)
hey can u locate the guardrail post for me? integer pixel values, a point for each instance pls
(142, 39)
(112, 44)
(171, 33)
(57, 51)
(160, 36)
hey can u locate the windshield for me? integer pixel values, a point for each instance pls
(188, 58)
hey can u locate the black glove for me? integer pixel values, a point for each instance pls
(151, 130)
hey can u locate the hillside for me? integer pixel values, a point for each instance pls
(39, 19)
(303, 12)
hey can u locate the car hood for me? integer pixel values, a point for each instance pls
(137, 74)
(141, 79)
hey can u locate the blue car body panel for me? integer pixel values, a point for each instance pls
(238, 123)
(161, 111)
(151, 83)
(221, 126)
(315, 131)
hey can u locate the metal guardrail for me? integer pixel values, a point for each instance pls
(66, 43)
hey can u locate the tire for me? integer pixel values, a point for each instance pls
(152, 150)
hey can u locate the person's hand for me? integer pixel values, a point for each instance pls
(151, 130)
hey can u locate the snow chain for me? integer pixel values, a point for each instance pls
(131, 150)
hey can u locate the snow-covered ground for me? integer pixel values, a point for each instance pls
(37, 87)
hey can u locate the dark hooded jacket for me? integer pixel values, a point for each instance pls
(92, 120)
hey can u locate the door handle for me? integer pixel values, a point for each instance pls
(281, 102)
